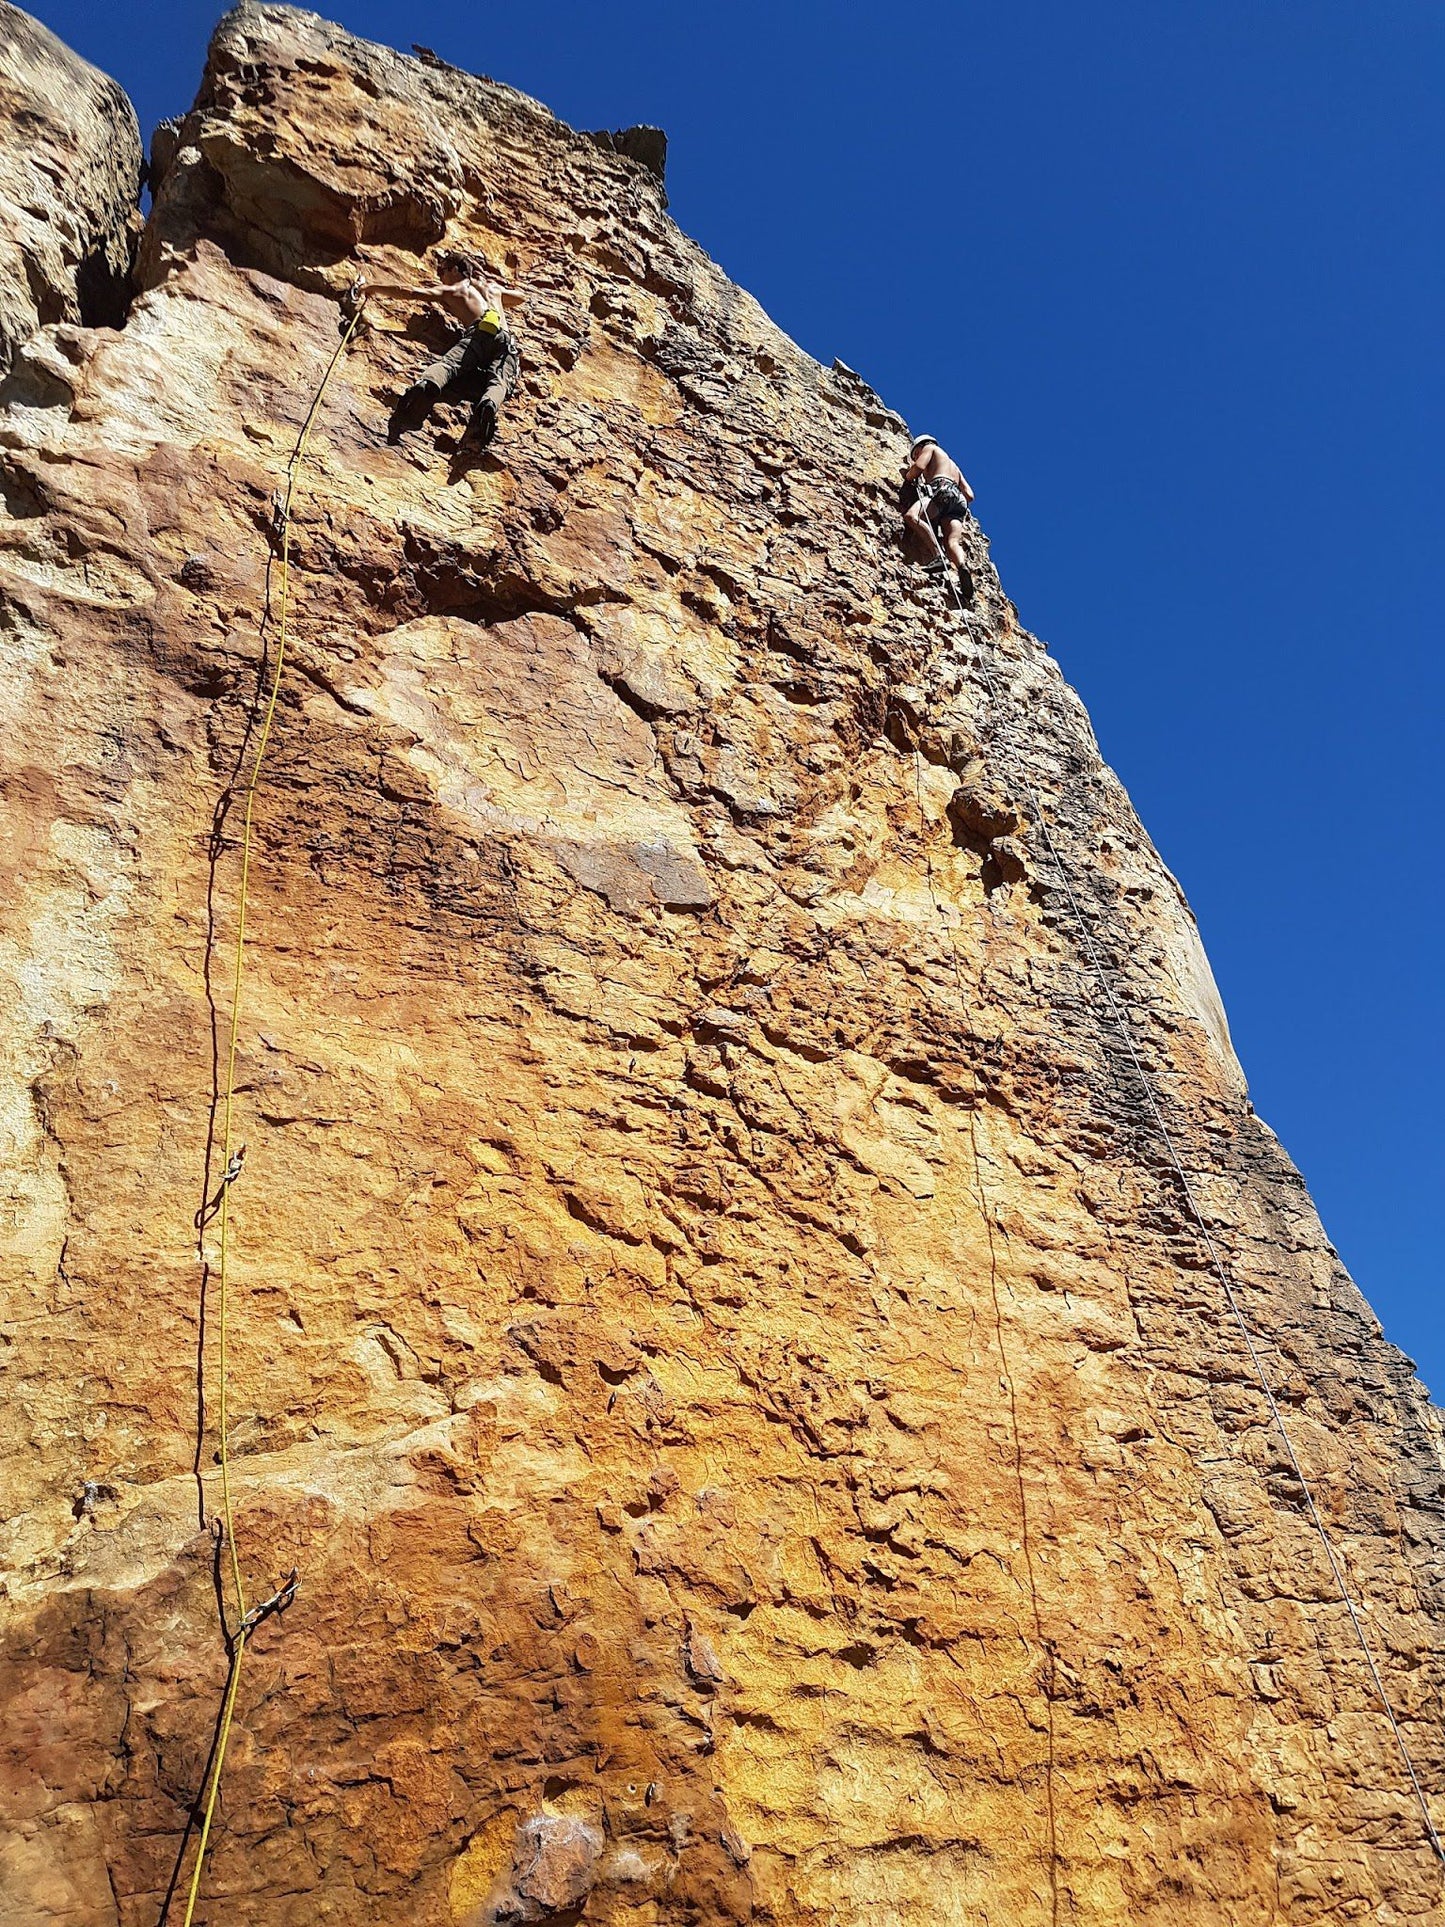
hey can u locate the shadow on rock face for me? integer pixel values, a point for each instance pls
(411, 412)
(70, 171)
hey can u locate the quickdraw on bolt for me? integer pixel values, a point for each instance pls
(228, 1177)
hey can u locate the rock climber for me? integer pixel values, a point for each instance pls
(935, 495)
(482, 363)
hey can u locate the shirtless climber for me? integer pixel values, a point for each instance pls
(480, 366)
(936, 496)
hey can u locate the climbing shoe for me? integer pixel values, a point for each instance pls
(482, 428)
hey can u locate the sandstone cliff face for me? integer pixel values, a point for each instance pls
(715, 1327)
(70, 165)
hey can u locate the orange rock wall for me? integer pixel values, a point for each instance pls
(713, 1324)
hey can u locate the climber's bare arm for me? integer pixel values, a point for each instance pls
(463, 300)
(418, 290)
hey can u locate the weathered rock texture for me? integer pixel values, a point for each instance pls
(70, 165)
(714, 1326)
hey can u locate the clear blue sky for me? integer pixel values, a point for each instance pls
(1168, 279)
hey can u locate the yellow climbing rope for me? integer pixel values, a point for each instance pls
(247, 1618)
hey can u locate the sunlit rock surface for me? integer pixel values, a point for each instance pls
(714, 1324)
(70, 165)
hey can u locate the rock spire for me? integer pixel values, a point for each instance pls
(714, 1324)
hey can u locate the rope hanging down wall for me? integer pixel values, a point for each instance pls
(248, 1618)
(1125, 1029)
(217, 1211)
(1008, 1384)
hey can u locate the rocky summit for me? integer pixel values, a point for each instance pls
(716, 1320)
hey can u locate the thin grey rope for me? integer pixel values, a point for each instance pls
(1126, 1031)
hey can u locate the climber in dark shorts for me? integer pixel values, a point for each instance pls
(935, 497)
(480, 366)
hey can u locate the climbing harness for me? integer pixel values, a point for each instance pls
(1221, 1272)
(940, 499)
(218, 1207)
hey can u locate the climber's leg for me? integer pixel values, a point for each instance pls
(954, 531)
(415, 404)
(411, 409)
(916, 523)
(482, 427)
(949, 513)
(499, 381)
(444, 370)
